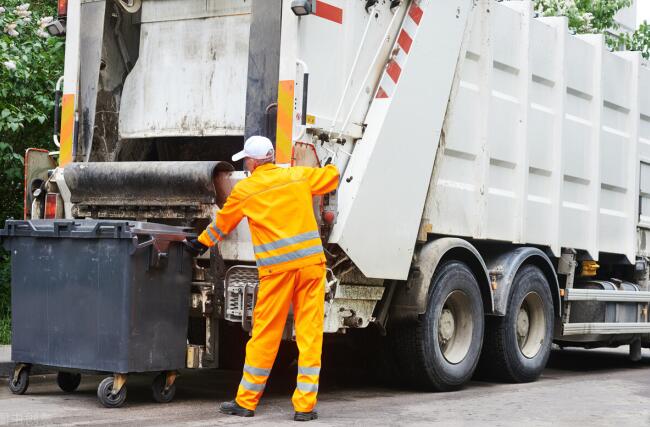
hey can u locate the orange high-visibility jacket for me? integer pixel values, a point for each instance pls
(278, 204)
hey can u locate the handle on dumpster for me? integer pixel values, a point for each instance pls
(155, 255)
(117, 228)
(137, 245)
(61, 226)
(13, 229)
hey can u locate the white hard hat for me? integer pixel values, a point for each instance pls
(255, 147)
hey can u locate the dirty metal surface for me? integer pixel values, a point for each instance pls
(144, 183)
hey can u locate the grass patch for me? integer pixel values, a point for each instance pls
(5, 330)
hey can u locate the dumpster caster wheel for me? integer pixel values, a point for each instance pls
(164, 387)
(20, 381)
(107, 397)
(68, 381)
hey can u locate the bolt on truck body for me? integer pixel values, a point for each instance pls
(495, 169)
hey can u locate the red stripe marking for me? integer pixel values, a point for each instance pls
(329, 12)
(393, 70)
(416, 13)
(381, 93)
(405, 41)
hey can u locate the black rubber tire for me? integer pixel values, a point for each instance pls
(68, 381)
(21, 384)
(502, 359)
(159, 393)
(419, 356)
(106, 397)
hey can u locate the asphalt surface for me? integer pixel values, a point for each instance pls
(579, 387)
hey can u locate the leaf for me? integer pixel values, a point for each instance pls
(5, 113)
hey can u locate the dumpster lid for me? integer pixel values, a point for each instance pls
(93, 228)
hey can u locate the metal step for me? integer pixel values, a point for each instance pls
(605, 328)
(598, 295)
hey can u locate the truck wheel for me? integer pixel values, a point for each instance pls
(68, 381)
(441, 350)
(106, 396)
(20, 384)
(517, 346)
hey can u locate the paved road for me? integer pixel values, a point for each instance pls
(596, 387)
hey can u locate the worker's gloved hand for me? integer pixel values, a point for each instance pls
(195, 247)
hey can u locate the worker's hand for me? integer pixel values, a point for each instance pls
(195, 247)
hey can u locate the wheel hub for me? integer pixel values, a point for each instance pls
(523, 324)
(447, 325)
(531, 325)
(455, 327)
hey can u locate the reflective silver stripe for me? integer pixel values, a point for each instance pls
(257, 371)
(251, 386)
(308, 371)
(218, 230)
(212, 236)
(290, 256)
(310, 235)
(308, 387)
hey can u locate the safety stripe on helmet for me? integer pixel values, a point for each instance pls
(218, 230)
(257, 371)
(303, 370)
(307, 387)
(278, 244)
(251, 386)
(289, 256)
(212, 236)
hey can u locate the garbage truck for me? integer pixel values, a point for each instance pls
(495, 168)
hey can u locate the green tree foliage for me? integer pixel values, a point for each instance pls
(30, 64)
(597, 16)
(639, 40)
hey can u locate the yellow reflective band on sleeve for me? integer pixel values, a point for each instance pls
(211, 235)
(218, 230)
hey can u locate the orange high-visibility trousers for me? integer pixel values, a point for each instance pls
(305, 288)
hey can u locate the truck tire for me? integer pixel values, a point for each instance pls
(441, 350)
(517, 346)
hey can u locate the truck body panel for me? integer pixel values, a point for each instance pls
(541, 139)
(396, 154)
(197, 52)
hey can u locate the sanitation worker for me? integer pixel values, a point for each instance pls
(291, 265)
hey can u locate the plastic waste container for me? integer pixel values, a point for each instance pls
(101, 296)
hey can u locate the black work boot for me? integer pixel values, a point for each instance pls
(233, 408)
(305, 416)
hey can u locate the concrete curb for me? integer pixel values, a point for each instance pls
(7, 365)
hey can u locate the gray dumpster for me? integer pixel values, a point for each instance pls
(108, 296)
